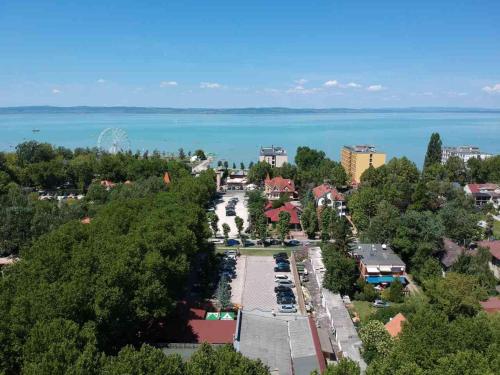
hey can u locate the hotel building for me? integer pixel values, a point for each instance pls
(357, 159)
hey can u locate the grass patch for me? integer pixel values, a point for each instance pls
(255, 251)
(496, 229)
(364, 309)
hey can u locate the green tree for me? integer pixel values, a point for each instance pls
(262, 228)
(456, 294)
(258, 172)
(239, 225)
(283, 226)
(223, 294)
(226, 229)
(344, 366)
(376, 340)
(434, 151)
(309, 219)
(200, 154)
(341, 271)
(384, 224)
(182, 154)
(460, 224)
(213, 220)
(307, 158)
(395, 292)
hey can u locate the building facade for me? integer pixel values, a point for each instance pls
(463, 152)
(378, 263)
(274, 155)
(484, 193)
(327, 196)
(357, 159)
(277, 187)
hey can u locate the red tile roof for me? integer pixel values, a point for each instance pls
(476, 188)
(85, 220)
(280, 183)
(274, 213)
(491, 305)
(213, 331)
(166, 178)
(493, 246)
(323, 189)
(395, 325)
(107, 183)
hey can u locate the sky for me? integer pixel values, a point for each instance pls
(255, 53)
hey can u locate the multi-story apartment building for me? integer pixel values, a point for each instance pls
(357, 159)
(274, 155)
(463, 152)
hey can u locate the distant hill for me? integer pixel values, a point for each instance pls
(262, 110)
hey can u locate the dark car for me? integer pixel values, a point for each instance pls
(282, 260)
(232, 242)
(293, 243)
(285, 300)
(230, 213)
(285, 293)
(282, 267)
(282, 288)
(280, 255)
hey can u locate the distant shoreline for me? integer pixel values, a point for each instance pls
(248, 110)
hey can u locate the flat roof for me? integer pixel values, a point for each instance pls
(272, 151)
(377, 254)
(363, 149)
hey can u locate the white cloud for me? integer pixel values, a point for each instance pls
(56, 91)
(301, 81)
(353, 85)
(493, 89)
(210, 85)
(168, 83)
(101, 80)
(374, 88)
(331, 83)
(302, 90)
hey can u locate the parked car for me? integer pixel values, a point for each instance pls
(280, 277)
(287, 309)
(293, 243)
(282, 288)
(282, 267)
(232, 242)
(273, 241)
(286, 293)
(285, 300)
(282, 260)
(380, 303)
(231, 252)
(288, 283)
(280, 255)
(230, 213)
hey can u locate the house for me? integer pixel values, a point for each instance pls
(166, 178)
(378, 264)
(451, 252)
(86, 220)
(107, 184)
(327, 196)
(7, 261)
(484, 193)
(277, 187)
(274, 155)
(491, 305)
(273, 214)
(494, 248)
(395, 325)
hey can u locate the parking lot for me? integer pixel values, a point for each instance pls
(241, 210)
(258, 284)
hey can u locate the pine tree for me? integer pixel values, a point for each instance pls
(433, 155)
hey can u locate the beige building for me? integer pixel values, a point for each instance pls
(275, 156)
(357, 159)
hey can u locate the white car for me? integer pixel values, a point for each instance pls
(286, 282)
(280, 277)
(287, 309)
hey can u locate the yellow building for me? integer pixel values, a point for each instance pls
(357, 159)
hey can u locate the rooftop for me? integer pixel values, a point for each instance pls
(362, 149)
(395, 325)
(493, 246)
(462, 150)
(377, 254)
(274, 213)
(283, 184)
(323, 189)
(488, 188)
(491, 305)
(272, 151)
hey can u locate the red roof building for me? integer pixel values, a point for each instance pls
(326, 195)
(491, 305)
(484, 193)
(274, 213)
(85, 220)
(166, 178)
(213, 331)
(276, 187)
(395, 325)
(108, 184)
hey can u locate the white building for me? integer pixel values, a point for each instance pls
(274, 155)
(463, 152)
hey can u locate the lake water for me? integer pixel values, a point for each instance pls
(238, 137)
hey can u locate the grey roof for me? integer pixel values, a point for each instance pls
(377, 254)
(345, 333)
(272, 151)
(362, 149)
(284, 343)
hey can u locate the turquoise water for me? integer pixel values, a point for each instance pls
(238, 137)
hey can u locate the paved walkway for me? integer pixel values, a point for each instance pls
(241, 211)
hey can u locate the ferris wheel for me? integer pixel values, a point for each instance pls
(113, 140)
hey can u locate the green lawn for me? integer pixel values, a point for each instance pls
(364, 309)
(496, 229)
(255, 250)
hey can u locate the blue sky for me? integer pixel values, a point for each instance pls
(250, 53)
